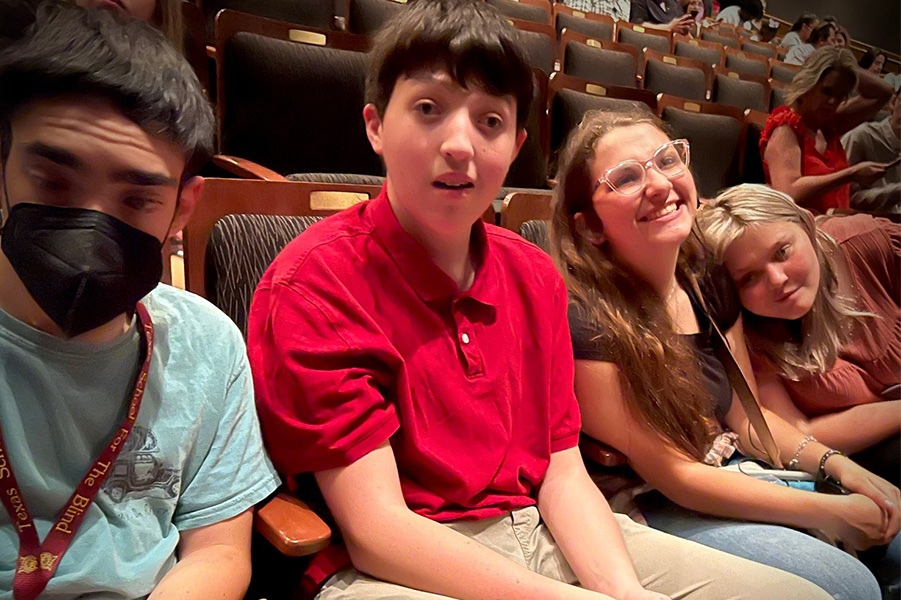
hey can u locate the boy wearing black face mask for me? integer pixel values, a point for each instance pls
(130, 453)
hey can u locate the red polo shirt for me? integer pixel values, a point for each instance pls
(357, 337)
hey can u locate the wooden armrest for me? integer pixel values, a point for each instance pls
(246, 169)
(291, 526)
(601, 453)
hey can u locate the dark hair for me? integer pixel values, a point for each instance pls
(751, 9)
(466, 38)
(869, 57)
(70, 50)
(821, 33)
(805, 19)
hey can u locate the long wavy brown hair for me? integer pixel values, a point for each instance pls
(168, 18)
(657, 366)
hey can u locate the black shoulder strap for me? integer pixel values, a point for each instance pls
(739, 383)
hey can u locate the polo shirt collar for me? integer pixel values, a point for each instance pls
(420, 271)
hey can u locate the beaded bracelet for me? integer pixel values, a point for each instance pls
(821, 473)
(796, 459)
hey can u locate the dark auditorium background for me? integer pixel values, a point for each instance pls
(866, 21)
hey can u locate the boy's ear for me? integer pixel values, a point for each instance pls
(373, 127)
(190, 195)
(594, 237)
(520, 140)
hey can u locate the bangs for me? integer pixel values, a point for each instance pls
(469, 41)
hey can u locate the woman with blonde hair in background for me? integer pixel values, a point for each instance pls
(643, 299)
(801, 143)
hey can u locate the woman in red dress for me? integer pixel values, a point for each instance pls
(801, 143)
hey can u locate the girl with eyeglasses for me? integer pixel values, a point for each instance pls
(643, 293)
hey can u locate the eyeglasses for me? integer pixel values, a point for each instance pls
(629, 177)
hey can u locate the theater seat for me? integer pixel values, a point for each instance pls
(241, 247)
(717, 136)
(781, 71)
(571, 98)
(537, 11)
(522, 207)
(538, 42)
(318, 15)
(752, 171)
(601, 61)
(530, 168)
(723, 38)
(292, 103)
(761, 48)
(675, 75)
(642, 37)
(709, 52)
(365, 17)
(593, 25)
(223, 262)
(733, 89)
(349, 178)
(742, 62)
(537, 233)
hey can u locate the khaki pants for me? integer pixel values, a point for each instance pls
(666, 564)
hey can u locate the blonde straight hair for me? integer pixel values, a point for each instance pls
(822, 332)
(819, 63)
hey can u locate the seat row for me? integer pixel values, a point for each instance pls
(697, 70)
(364, 17)
(724, 139)
(290, 99)
(360, 17)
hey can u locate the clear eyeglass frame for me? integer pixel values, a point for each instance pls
(629, 177)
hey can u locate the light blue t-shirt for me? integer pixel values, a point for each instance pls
(194, 458)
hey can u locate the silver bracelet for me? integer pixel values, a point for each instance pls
(796, 459)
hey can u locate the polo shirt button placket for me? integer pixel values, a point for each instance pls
(470, 352)
(469, 349)
(466, 342)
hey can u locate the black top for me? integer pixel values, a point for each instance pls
(722, 300)
(651, 11)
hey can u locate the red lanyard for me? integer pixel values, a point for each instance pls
(37, 562)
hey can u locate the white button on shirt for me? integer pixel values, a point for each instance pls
(465, 338)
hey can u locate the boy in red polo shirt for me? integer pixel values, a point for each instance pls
(419, 362)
